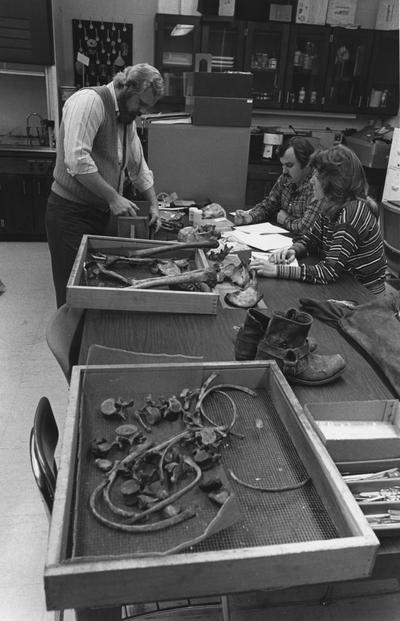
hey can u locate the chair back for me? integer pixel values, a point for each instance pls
(63, 335)
(43, 442)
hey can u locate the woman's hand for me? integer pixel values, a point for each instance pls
(284, 256)
(264, 267)
(242, 217)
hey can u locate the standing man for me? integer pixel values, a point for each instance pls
(98, 146)
(291, 202)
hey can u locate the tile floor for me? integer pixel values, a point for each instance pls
(28, 371)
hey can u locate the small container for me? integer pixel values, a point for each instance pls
(197, 216)
(272, 63)
(313, 97)
(302, 95)
(192, 211)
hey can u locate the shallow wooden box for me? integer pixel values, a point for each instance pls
(235, 560)
(144, 300)
(358, 431)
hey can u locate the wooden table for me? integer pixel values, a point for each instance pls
(213, 337)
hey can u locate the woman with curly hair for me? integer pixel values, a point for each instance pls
(346, 236)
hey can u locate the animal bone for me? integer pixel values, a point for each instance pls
(207, 275)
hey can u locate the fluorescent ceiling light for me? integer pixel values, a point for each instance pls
(181, 29)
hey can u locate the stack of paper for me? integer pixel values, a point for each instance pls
(262, 241)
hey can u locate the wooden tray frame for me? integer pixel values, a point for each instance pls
(363, 450)
(107, 581)
(143, 300)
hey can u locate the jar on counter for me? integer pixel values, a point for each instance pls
(272, 63)
(302, 95)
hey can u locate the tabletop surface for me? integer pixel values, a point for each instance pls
(213, 338)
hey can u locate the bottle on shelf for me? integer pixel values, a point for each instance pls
(302, 95)
(298, 58)
(313, 97)
(308, 56)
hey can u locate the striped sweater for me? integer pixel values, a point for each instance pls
(350, 242)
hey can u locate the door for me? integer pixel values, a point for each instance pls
(265, 57)
(348, 64)
(306, 67)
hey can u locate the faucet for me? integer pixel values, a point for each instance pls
(39, 132)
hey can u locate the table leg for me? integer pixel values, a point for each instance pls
(225, 608)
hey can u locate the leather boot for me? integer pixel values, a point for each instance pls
(253, 330)
(286, 342)
(250, 334)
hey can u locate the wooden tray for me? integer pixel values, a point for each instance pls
(378, 507)
(358, 431)
(145, 300)
(312, 534)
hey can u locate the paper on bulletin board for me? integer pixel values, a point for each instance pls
(341, 12)
(311, 12)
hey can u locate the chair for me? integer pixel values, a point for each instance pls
(63, 336)
(42, 444)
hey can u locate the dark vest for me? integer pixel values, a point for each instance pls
(104, 154)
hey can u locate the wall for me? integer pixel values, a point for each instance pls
(140, 13)
(20, 95)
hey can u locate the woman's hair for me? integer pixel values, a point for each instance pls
(340, 173)
(139, 78)
(302, 149)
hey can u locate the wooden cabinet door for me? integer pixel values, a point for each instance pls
(266, 57)
(26, 32)
(16, 205)
(382, 88)
(176, 42)
(306, 67)
(348, 64)
(40, 192)
(224, 40)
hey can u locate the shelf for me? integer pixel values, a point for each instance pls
(34, 74)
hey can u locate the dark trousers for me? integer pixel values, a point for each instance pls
(66, 222)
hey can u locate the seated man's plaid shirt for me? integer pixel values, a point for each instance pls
(298, 202)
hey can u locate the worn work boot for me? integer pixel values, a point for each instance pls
(286, 342)
(250, 334)
(253, 330)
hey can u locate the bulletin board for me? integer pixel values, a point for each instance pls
(108, 45)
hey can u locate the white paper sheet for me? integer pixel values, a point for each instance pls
(263, 228)
(262, 242)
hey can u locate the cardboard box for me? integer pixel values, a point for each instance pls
(341, 12)
(311, 12)
(226, 8)
(280, 12)
(220, 111)
(371, 154)
(387, 17)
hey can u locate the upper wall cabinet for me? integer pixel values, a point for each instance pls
(26, 32)
(295, 66)
(177, 40)
(266, 58)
